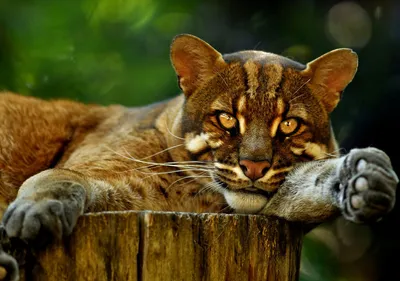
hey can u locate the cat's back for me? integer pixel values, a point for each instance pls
(37, 134)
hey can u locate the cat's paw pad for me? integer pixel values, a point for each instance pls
(368, 185)
(38, 222)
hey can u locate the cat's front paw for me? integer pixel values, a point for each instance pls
(47, 206)
(367, 185)
(39, 222)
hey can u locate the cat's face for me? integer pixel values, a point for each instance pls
(255, 114)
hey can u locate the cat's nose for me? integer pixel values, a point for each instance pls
(254, 169)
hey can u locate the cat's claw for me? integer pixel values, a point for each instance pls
(367, 185)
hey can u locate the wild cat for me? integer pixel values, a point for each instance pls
(250, 133)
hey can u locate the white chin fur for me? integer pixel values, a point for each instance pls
(245, 203)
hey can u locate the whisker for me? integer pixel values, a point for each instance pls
(183, 165)
(301, 105)
(187, 177)
(112, 150)
(213, 187)
(210, 186)
(299, 90)
(223, 79)
(172, 134)
(204, 173)
(149, 163)
(162, 151)
(256, 46)
(227, 207)
(172, 172)
(167, 164)
(330, 154)
(341, 149)
(196, 176)
(184, 162)
(156, 165)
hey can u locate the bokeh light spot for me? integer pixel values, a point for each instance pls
(349, 25)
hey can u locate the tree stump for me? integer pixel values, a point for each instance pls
(167, 246)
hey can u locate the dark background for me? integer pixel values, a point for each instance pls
(114, 51)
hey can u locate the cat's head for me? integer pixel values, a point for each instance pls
(256, 114)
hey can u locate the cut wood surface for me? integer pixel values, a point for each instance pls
(165, 246)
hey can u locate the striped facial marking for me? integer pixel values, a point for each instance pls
(256, 115)
(270, 119)
(252, 69)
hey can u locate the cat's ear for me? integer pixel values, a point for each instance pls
(330, 74)
(194, 61)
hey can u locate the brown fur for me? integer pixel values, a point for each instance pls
(98, 142)
(220, 146)
(119, 153)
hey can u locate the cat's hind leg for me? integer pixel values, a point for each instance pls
(33, 136)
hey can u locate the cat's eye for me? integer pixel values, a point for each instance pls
(289, 126)
(227, 121)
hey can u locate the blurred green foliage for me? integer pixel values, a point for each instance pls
(93, 51)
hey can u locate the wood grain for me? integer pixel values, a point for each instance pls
(104, 246)
(152, 246)
(219, 247)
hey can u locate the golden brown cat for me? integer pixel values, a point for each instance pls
(250, 133)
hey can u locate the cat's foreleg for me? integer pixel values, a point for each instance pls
(47, 206)
(49, 203)
(360, 185)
